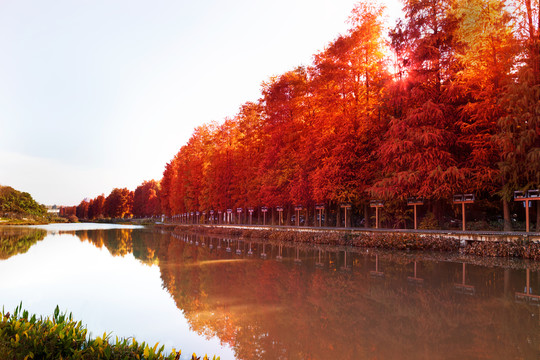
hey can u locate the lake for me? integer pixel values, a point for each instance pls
(270, 300)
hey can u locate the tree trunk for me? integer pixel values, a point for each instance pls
(366, 216)
(437, 211)
(506, 215)
(537, 216)
(338, 215)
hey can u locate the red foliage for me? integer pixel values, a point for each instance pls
(343, 130)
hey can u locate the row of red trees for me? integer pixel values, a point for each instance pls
(123, 203)
(459, 114)
(448, 101)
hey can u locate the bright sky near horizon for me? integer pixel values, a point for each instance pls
(97, 94)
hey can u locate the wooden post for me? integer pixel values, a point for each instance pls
(527, 221)
(279, 257)
(264, 210)
(463, 287)
(415, 225)
(320, 208)
(250, 210)
(528, 283)
(376, 272)
(297, 259)
(415, 201)
(376, 204)
(239, 213)
(280, 212)
(463, 199)
(463, 216)
(415, 278)
(346, 207)
(527, 294)
(530, 195)
(298, 208)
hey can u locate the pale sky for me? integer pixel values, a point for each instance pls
(97, 94)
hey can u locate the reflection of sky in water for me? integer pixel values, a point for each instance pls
(314, 302)
(83, 226)
(114, 294)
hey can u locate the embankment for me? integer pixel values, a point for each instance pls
(492, 244)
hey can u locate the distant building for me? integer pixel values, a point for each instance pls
(53, 209)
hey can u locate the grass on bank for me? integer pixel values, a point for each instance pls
(61, 337)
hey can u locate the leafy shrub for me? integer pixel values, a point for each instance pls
(429, 222)
(13, 201)
(61, 337)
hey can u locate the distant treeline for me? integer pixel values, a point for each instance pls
(120, 203)
(450, 104)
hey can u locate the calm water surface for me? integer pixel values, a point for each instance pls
(270, 300)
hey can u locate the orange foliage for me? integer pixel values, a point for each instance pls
(345, 129)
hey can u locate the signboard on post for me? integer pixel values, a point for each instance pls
(229, 216)
(279, 209)
(415, 201)
(250, 210)
(239, 213)
(526, 197)
(376, 204)
(320, 209)
(298, 208)
(347, 207)
(264, 210)
(463, 199)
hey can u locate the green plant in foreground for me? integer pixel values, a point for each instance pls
(61, 337)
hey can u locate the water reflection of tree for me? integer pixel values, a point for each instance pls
(15, 241)
(120, 242)
(279, 310)
(269, 309)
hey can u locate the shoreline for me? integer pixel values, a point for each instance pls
(484, 244)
